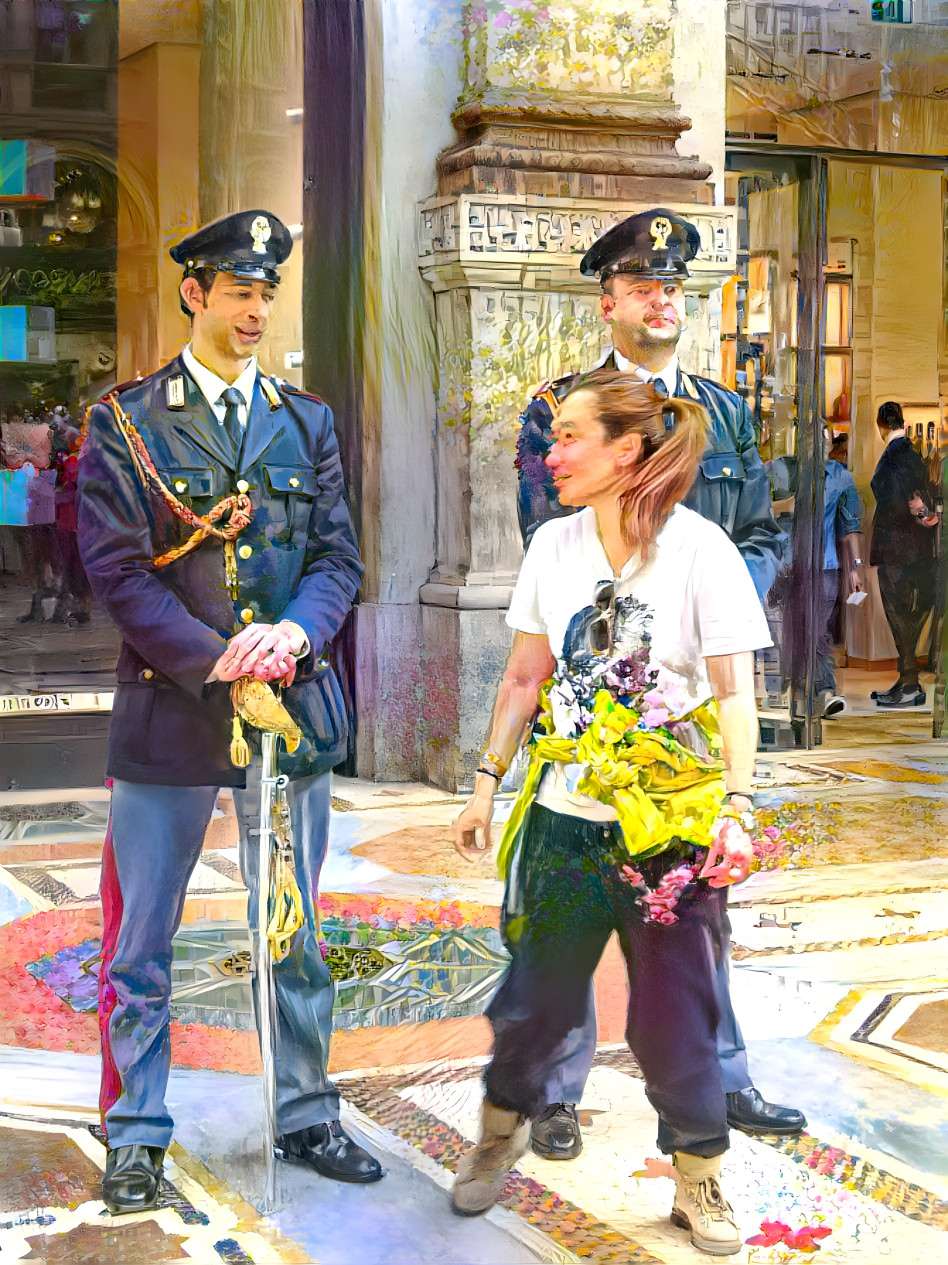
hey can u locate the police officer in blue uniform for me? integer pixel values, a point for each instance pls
(642, 264)
(210, 432)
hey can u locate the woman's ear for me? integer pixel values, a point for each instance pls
(629, 450)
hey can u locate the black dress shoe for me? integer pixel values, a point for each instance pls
(886, 696)
(748, 1111)
(330, 1150)
(910, 696)
(132, 1174)
(555, 1134)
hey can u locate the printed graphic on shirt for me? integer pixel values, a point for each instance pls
(620, 625)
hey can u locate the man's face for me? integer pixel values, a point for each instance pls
(232, 318)
(643, 312)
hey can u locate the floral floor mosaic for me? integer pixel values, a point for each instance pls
(600, 1209)
(841, 946)
(51, 1209)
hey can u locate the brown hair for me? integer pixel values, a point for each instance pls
(670, 457)
(205, 279)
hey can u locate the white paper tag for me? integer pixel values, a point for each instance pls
(857, 599)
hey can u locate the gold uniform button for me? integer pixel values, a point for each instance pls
(245, 551)
(148, 674)
(294, 483)
(180, 485)
(247, 615)
(726, 470)
(243, 486)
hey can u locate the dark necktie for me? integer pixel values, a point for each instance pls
(660, 387)
(235, 432)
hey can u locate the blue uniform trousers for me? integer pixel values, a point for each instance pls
(571, 899)
(157, 832)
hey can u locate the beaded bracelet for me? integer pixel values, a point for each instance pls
(495, 762)
(490, 773)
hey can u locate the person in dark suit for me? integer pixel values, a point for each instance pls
(642, 264)
(903, 548)
(219, 439)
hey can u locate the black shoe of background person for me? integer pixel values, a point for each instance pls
(908, 696)
(750, 1112)
(330, 1150)
(554, 1134)
(131, 1178)
(886, 696)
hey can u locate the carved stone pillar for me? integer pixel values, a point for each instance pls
(567, 126)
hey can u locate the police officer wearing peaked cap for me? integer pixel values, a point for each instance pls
(641, 264)
(194, 616)
(249, 244)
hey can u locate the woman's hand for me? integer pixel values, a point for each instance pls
(730, 856)
(472, 828)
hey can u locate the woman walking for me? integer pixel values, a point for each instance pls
(629, 617)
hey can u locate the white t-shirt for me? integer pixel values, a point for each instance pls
(694, 585)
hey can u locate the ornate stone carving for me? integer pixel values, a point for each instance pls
(560, 95)
(494, 232)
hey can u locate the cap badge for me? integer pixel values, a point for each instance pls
(260, 231)
(661, 230)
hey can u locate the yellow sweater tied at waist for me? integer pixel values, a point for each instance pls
(663, 792)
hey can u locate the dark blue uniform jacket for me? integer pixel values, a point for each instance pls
(731, 489)
(168, 727)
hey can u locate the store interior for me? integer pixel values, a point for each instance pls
(881, 320)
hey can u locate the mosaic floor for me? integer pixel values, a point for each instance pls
(603, 1207)
(51, 1209)
(840, 980)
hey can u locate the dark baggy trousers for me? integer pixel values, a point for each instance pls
(156, 838)
(570, 900)
(908, 593)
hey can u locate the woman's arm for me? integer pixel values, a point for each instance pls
(732, 684)
(531, 663)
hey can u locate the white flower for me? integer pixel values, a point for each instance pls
(565, 709)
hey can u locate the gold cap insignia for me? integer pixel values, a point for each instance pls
(661, 230)
(260, 231)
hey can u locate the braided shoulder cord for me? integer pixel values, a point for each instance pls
(239, 505)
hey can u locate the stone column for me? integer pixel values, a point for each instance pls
(158, 202)
(567, 124)
(251, 150)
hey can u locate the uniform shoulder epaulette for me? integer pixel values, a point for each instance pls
(290, 389)
(117, 390)
(544, 387)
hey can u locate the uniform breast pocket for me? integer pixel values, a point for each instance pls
(194, 483)
(293, 488)
(723, 479)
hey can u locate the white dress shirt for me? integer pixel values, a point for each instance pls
(213, 387)
(668, 375)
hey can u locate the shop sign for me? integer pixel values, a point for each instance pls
(19, 704)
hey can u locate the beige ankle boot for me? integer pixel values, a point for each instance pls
(701, 1207)
(482, 1172)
